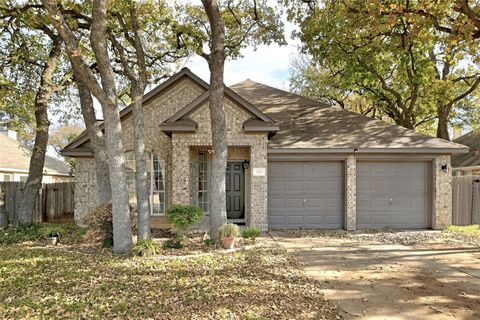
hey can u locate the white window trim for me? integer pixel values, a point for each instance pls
(205, 191)
(152, 182)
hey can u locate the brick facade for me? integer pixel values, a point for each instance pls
(180, 153)
(442, 193)
(351, 193)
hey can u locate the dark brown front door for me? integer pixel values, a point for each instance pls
(235, 189)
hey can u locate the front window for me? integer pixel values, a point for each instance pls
(158, 186)
(203, 181)
(155, 167)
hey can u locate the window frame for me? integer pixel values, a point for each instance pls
(130, 168)
(203, 162)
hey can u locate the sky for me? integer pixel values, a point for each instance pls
(268, 65)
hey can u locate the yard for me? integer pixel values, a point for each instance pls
(265, 282)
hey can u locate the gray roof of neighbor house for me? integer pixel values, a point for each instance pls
(14, 156)
(472, 158)
(306, 123)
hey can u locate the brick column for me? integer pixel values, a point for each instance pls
(442, 193)
(351, 193)
(258, 190)
(181, 172)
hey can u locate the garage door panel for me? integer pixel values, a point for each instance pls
(313, 195)
(277, 203)
(295, 203)
(392, 194)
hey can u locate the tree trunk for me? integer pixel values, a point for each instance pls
(216, 62)
(106, 95)
(122, 229)
(96, 142)
(37, 159)
(442, 126)
(141, 183)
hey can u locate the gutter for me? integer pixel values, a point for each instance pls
(368, 150)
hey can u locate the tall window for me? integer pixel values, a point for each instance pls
(203, 181)
(155, 167)
(158, 186)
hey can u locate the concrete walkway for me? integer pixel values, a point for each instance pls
(372, 280)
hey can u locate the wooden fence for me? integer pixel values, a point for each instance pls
(54, 202)
(466, 200)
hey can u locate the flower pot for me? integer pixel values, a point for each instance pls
(228, 242)
(52, 240)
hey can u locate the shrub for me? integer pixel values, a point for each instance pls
(183, 217)
(146, 248)
(251, 233)
(176, 242)
(67, 233)
(208, 242)
(229, 230)
(100, 225)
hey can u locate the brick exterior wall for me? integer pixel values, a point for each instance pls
(180, 153)
(442, 193)
(351, 193)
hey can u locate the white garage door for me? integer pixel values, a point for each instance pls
(307, 195)
(392, 195)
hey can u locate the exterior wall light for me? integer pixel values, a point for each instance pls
(444, 167)
(246, 164)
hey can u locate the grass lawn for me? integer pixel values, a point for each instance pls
(260, 283)
(471, 230)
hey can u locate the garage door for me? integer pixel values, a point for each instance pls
(392, 195)
(306, 195)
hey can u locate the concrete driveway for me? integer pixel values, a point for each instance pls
(374, 280)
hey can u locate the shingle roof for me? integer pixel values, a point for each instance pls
(472, 158)
(306, 123)
(14, 156)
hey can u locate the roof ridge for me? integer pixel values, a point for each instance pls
(284, 91)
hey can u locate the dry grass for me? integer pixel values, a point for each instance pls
(261, 283)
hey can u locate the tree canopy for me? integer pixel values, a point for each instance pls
(390, 55)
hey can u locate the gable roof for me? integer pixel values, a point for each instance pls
(15, 157)
(309, 124)
(472, 158)
(185, 72)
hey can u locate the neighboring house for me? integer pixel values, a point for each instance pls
(15, 162)
(468, 163)
(292, 162)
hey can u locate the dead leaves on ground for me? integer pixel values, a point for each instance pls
(261, 283)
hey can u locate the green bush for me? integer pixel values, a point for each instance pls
(208, 242)
(251, 233)
(184, 216)
(67, 233)
(146, 248)
(174, 243)
(228, 230)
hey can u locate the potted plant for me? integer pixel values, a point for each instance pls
(228, 232)
(52, 238)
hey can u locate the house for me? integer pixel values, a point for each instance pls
(292, 162)
(468, 163)
(15, 161)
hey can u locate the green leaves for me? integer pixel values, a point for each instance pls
(385, 52)
(247, 23)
